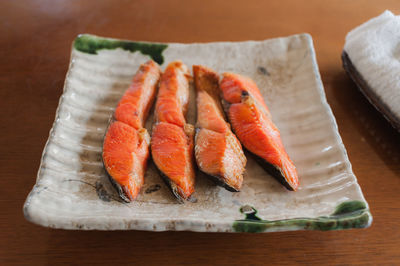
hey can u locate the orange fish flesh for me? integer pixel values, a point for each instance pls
(126, 142)
(218, 152)
(172, 137)
(252, 124)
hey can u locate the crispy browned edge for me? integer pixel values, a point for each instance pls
(366, 90)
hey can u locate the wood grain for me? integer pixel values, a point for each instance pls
(35, 41)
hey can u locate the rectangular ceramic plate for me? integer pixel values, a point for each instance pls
(73, 192)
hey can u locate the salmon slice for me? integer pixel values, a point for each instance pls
(251, 121)
(173, 96)
(126, 142)
(218, 152)
(172, 151)
(172, 137)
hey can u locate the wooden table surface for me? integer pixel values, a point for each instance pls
(35, 42)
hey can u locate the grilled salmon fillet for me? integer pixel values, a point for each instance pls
(252, 124)
(218, 152)
(126, 142)
(172, 137)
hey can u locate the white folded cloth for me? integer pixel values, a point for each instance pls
(374, 50)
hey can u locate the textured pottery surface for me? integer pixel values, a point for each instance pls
(73, 191)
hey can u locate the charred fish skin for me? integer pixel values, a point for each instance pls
(126, 143)
(251, 121)
(122, 192)
(273, 170)
(218, 152)
(173, 187)
(221, 182)
(172, 137)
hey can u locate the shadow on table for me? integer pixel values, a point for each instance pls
(369, 122)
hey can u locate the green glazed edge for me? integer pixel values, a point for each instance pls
(90, 44)
(347, 215)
